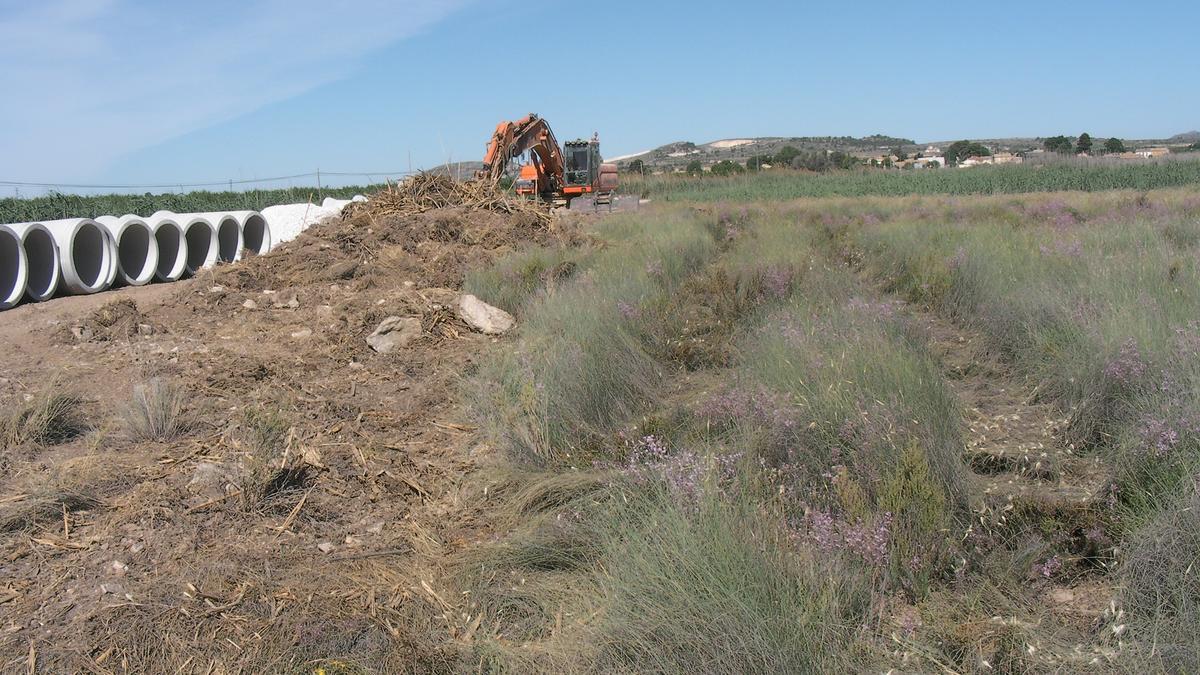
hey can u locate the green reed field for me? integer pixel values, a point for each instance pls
(58, 205)
(981, 180)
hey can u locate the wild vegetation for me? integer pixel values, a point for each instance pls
(730, 426)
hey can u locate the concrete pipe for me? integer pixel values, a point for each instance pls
(86, 254)
(41, 257)
(172, 247)
(229, 233)
(256, 234)
(14, 271)
(199, 238)
(137, 248)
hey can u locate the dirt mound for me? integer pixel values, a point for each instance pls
(375, 243)
(116, 320)
(425, 192)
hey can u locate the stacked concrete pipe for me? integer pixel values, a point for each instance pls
(256, 234)
(87, 254)
(137, 248)
(199, 238)
(172, 247)
(229, 233)
(14, 269)
(42, 259)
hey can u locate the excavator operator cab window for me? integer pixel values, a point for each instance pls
(577, 165)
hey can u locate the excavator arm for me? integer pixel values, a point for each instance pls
(529, 134)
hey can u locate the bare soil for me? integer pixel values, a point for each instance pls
(149, 556)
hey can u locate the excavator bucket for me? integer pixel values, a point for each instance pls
(605, 203)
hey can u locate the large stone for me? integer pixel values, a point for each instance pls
(483, 317)
(394, 332)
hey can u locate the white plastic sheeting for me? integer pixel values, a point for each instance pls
(287, 221)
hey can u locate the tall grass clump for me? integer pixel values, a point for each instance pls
(155, 412)
(515, 278)
(716, 587)
(633, 575)
(1162, 598)
(579, 368)
(50, 418)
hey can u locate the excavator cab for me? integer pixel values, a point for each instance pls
(582, 164)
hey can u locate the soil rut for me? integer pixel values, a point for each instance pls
(1029, 485)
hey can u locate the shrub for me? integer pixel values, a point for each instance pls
(48, 419)
(156, 411)
(718, 591)
(268, 469)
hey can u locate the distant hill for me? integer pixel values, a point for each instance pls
(741, 149)
(673, 156)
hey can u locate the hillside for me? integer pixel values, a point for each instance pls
(679, 153)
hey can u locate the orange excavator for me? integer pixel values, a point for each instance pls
(553, 174)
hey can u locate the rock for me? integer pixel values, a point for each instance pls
(483, 317)
(394, 332)
(326, 547)
(217, 290)
(250, 304)
(293, 303)
(208, 480)
(342, 270)
(302, 334)
(145, 329)
(118, 568)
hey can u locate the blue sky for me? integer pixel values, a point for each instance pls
(134, 91)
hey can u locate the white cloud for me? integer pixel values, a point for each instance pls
(89, 80)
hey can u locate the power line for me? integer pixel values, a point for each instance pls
(167, 186)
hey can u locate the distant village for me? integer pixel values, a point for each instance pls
(933, 157)
(739, 155)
